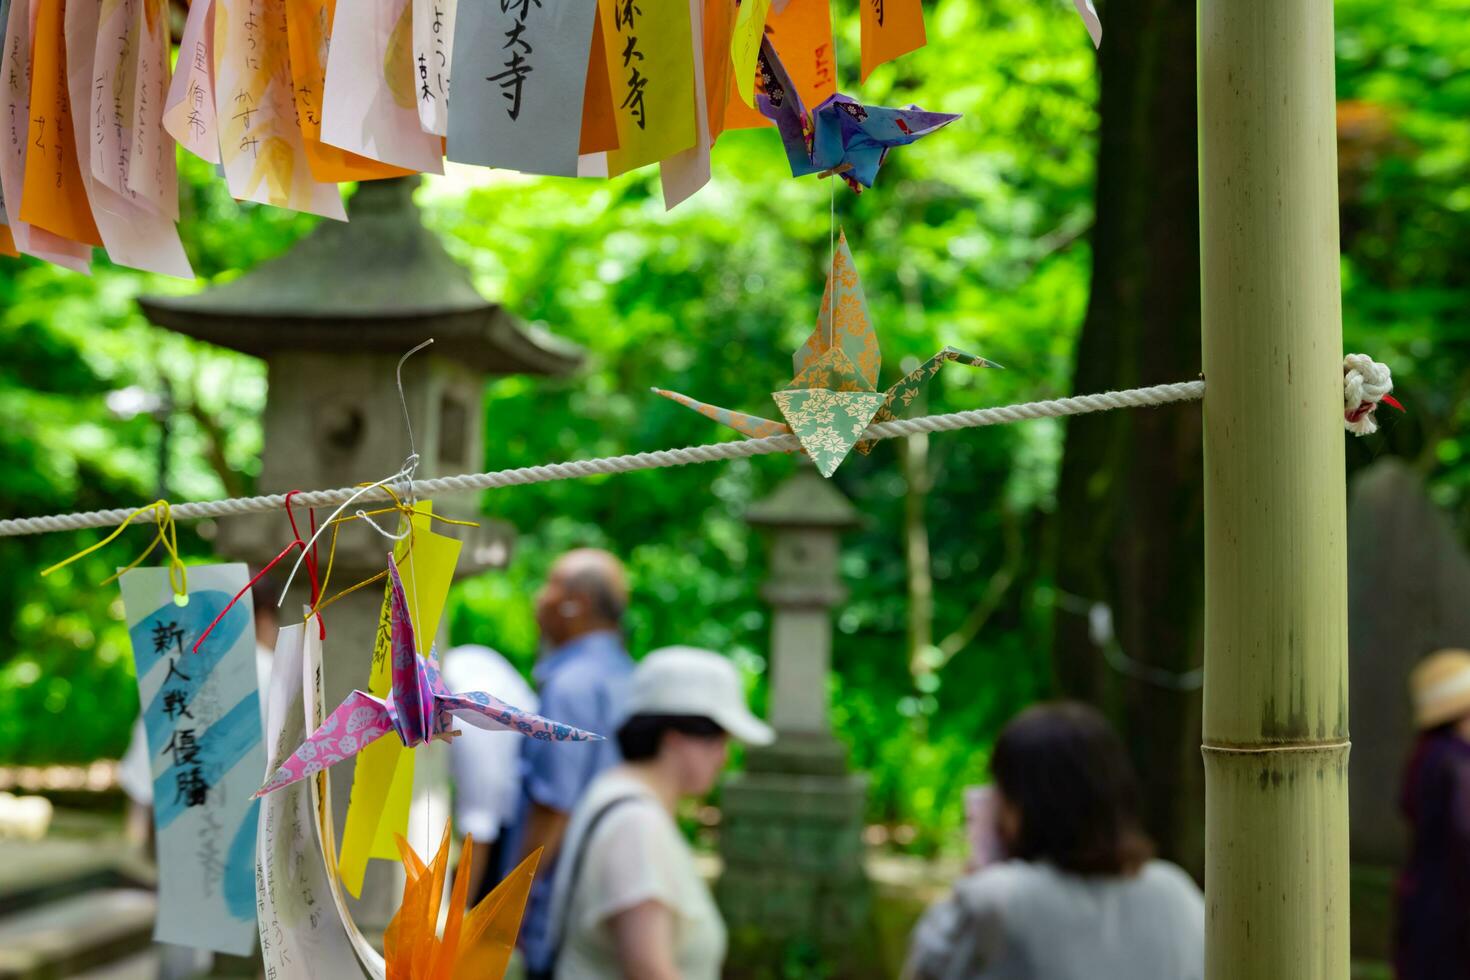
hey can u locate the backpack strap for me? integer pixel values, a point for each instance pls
(559, 934)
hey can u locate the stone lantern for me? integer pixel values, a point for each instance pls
(791, 835)
(331, 318)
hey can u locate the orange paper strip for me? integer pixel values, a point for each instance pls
(802, 36)
(308, 33)
(719, 23)
(54, 197)
(7, 243)
(599, 128)
(890, 28)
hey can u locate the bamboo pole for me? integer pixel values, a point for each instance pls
(1275, 703)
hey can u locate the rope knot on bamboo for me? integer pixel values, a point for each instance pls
(1365, 383)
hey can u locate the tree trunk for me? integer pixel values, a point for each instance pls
(1129, 515)
(1275, 719)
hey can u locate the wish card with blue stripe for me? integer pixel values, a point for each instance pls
(201, 710)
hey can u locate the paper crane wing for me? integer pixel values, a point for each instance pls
(489, 932)
(848, 132)
(750, 425)
(1088, 13)
(843, 321)
(486, 711)
(358, 721)
(412, 696)
(902, 394)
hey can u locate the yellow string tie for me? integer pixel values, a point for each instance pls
(167, 535)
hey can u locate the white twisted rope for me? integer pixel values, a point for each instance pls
(737, 449)
(1365, 383)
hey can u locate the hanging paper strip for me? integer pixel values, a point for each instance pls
(599, 128)
(382, 784)
(115, 66)
(802, 33)
(309, 31)
(133, 235)
(53, 197)
(15, 74)
(260, 142)
(188, 112)
(889, 28)
(650, 58)
(433, 52)
(201, 711)
(687, 171)
(369, 101)
(719, 25)
(321, 803)
(522, 74)
(297, 941)
(745, 45)
(152, 168)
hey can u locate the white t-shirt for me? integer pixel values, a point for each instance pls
(635, 854)
(486, 765)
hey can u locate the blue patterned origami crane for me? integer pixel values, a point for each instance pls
(841, 136)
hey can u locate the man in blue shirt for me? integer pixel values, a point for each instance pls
(583, 678)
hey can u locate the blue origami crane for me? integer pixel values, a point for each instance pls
(842, 136)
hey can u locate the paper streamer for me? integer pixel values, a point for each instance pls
(152, 169)
(801, 32)
(523, 68)
(369, 104)
(650, 59)
(433, 52)
(309, 32)
(686, 172)
(382, 783)
(133, 235)
(260, 141)
(188, 112)
(53, 197)
(745, 45)
(201, 711)
(298, 941)
(889, 28)
(15, 91)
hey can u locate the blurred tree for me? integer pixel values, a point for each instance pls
(1129, 503)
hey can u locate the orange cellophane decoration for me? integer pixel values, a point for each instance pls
(474, 946)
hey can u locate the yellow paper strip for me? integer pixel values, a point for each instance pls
(650, 57)
(382, 784)
(745, 44)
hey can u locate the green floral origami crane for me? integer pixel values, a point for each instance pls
(834, 396)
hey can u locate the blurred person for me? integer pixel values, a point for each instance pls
(628, 899)
(582, 674)
(485, 766)
(1432, 920)
(1079, 894)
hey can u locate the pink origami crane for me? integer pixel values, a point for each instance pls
(419, 708)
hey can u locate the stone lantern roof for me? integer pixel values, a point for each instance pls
(379, 282)
(805, 500)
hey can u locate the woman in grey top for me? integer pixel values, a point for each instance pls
(1080, 895)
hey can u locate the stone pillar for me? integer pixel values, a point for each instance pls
(791, 836)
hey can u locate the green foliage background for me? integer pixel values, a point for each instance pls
(975, 237)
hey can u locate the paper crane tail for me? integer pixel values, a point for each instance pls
(358, 721)
(903, 393)
(751, 425)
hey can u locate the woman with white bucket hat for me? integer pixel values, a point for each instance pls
(628, 900)
(1432, 921)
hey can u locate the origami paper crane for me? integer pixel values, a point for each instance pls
(419, 708)
(834, 396)
(841, 136)
(476, 946)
